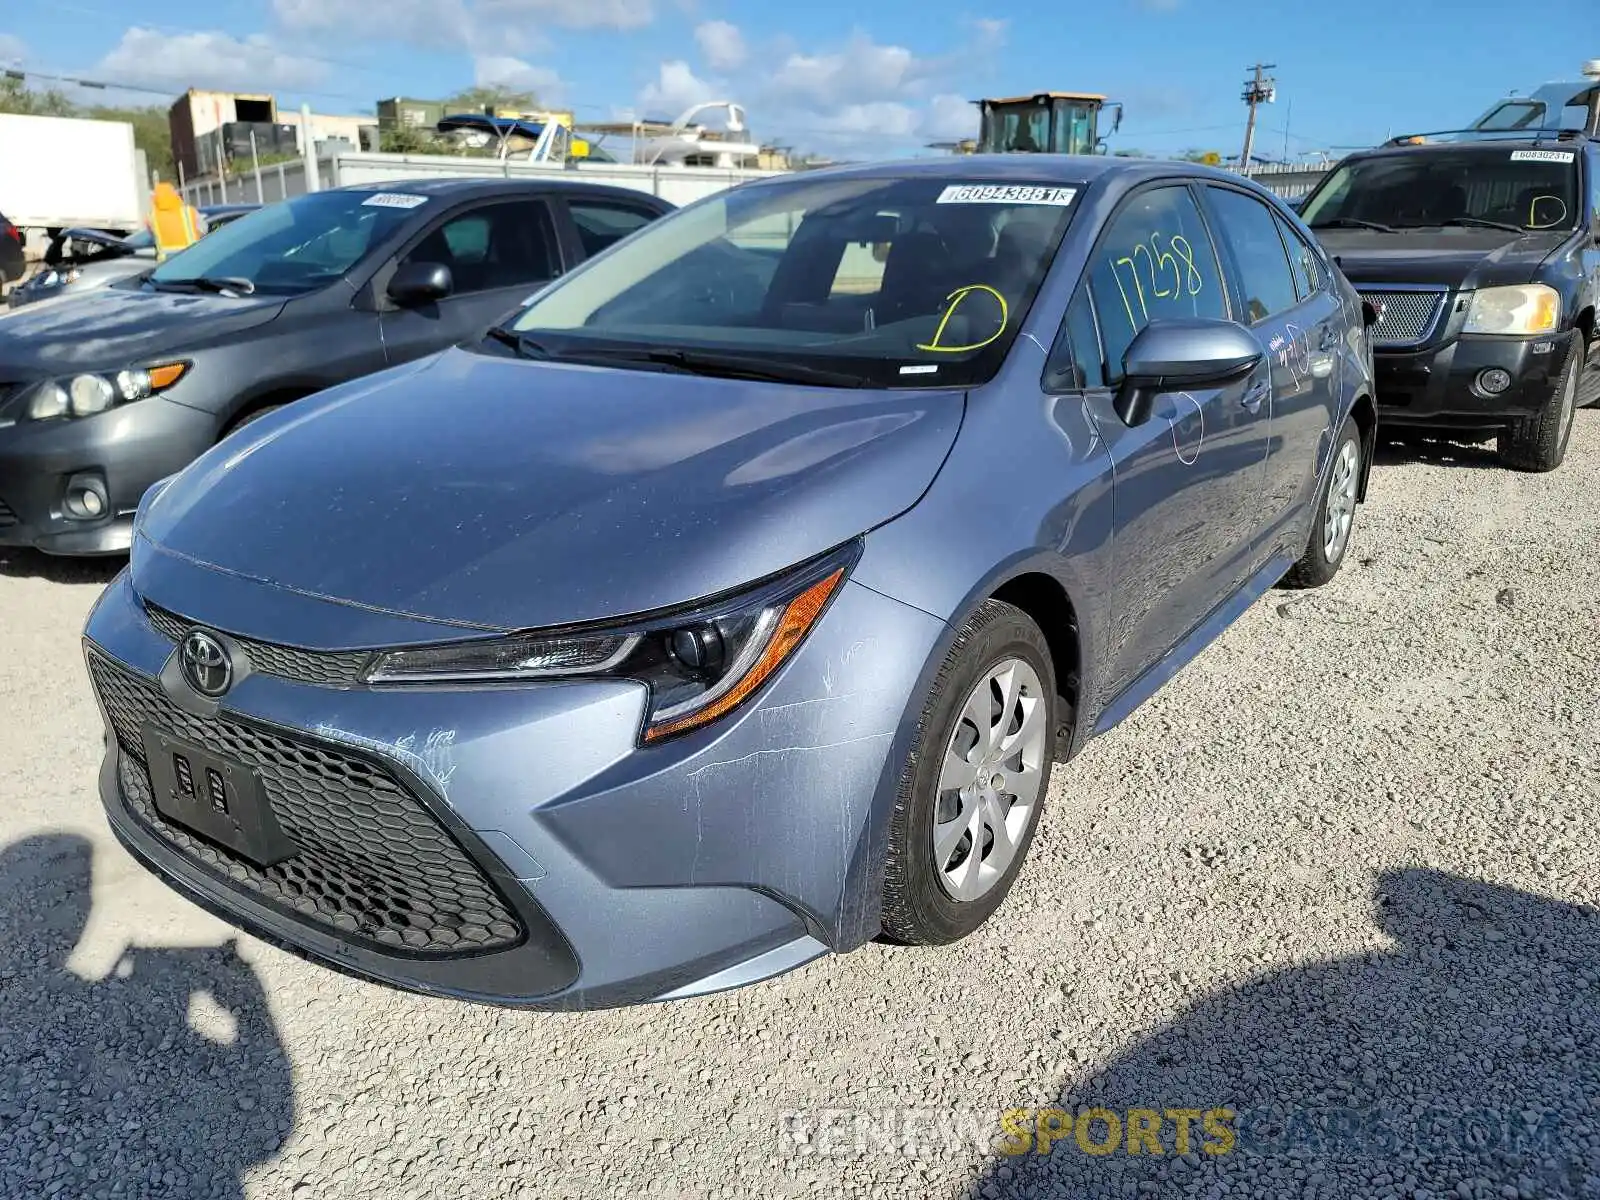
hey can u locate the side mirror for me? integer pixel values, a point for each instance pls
(1170, 356)
(1371, 313)
(420, 283)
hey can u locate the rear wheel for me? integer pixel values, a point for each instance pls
(1335, 516)
(975, 783)
(1539, 443)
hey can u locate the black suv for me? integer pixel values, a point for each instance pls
(1482, 259)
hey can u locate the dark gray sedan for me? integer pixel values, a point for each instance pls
(102, 395)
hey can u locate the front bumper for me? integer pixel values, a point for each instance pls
(1437, 386)
(632, 875)
(127, 449)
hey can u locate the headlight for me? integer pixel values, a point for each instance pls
(94, 392)
(1527, 309)
(699, 664)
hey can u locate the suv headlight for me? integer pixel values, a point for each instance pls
(699, 664)
(92, 392)
(1525, 309)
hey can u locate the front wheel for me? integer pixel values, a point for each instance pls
(1335, 516)
(1539, 443)
(972, 791)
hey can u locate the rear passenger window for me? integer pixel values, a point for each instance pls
(1154, 262)
(602, 222)
(1250, 231)
(1302, 260)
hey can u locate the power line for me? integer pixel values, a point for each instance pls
(114, 85)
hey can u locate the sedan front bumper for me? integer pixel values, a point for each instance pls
(123, 450)
(1440, 386)
(560, 865)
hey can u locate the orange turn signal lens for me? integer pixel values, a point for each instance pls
(799, 615)
(166, 375)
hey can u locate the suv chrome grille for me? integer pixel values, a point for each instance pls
(374, 865)
(1406, 318)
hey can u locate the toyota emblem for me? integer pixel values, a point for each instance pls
(205, 664)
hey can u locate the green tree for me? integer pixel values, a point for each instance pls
(17, 97)
(476, 99)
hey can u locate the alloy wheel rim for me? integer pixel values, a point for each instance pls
(1341, 507)
(990, 780)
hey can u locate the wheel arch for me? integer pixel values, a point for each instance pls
(248, 406)
(1365, 414)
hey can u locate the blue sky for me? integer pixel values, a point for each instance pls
(837, 76)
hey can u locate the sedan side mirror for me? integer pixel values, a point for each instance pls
(1169, 356)
(420, 283)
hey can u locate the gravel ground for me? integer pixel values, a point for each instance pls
(1337, 878)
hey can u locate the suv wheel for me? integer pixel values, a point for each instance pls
(1539, 443)
(1335, 516)
(975, 783)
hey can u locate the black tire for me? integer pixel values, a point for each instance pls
(1317, 566)
(1539, 443)
(249, 418)
(917, 907)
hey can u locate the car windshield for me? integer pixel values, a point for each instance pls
(1520, 188)
(854, 281)
(293, 247)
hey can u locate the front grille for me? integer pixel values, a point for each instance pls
(374, 865)
(7, 517)
(1406, 317)
(326, 668)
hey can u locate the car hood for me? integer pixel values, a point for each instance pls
(106, 328)
(502, 494)
(1461, 259)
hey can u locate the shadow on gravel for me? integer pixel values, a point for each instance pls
(164, 1079)
(1436, 451)
(31, 564)
(1463, 1062)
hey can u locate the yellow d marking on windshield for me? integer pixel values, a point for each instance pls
(955, 298)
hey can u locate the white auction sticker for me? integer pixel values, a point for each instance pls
(1560, 156)
(985, 193)
(394, 200)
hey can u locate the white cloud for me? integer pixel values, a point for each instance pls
(208, 60)
(948, 117)
(502, 70)
(721, 44)
(675, 89)
(860, 73)
(991, 31)
(11, 48)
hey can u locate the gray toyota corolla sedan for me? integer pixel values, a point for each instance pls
(731, 603)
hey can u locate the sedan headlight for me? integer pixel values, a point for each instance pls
(699, 664)
(1525, 309)
(93, 392)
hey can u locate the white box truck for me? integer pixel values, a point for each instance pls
(57, 172)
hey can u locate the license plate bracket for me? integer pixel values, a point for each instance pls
(210, 794)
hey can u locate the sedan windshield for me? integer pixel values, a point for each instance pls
(297, 246)
(1514, 189)
(849, 281)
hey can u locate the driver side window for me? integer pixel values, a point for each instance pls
(1154, 261)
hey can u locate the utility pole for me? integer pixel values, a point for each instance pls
(1260, 88)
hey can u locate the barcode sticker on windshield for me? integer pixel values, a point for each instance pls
(1001, 194)
(1560, 156)
(394, 200)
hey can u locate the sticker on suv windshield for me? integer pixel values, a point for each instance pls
(1002, 194)
(1560, 156)
(394, 200)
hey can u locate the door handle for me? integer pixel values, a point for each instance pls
(1254, 395)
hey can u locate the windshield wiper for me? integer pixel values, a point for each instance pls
(524, 346)
(727, 366)
(1352, 223)
(210, 283)
(1483, 223)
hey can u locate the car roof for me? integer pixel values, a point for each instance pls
(1485, 145)
(456, 186)
(1082, 169)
